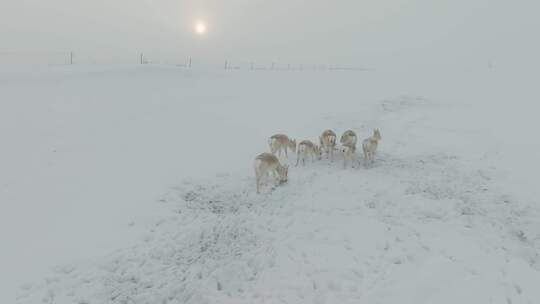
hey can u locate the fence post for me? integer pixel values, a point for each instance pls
(71, 57)
(141, 58)
(189, 64)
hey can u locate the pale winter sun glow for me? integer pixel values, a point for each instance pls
(200, 28)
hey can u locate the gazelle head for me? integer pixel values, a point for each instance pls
(377, 134)
(283, 171)
(292, 145)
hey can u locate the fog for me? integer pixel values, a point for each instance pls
(478, 32)
(90, 149)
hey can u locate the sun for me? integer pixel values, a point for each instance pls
(200, 28)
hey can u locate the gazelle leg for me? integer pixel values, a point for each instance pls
(258, 179)
(276, 177)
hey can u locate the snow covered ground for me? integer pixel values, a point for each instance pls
(134, 185)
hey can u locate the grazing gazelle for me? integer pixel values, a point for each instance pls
(267, 163)
(328, 143)
(280, 142)
(349, 154)
(348, 138)
(370, 145)
(305, 149)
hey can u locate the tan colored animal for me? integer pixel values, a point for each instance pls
(281, 142)
(348, 138)
(370, 145)
(349, 154)
(328, 143)
(267, 163)
(305, 149)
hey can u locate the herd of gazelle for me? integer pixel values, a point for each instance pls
(268, 163)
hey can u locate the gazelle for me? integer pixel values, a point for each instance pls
(305, 149)
(348, 138)
(370, 144)
(328, 143)
(267, 163)
(281, 142)
(348, 147)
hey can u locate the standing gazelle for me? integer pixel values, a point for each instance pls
(267, 163)
(370, 144)
(348, 147)
(328, 143)
(305, 149)
(281, 142)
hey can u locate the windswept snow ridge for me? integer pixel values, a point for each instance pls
(413, 227)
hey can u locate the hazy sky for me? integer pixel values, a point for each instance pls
(286, 30)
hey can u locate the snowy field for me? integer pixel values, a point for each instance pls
(134, 184)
